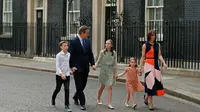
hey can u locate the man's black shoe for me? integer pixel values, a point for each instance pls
(83, 107)
(76, 101)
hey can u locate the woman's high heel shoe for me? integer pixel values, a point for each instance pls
(145, 101)
(150, 108)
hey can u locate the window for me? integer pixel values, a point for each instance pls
(110, 1)
(154, 16)
(39, 4)
(7, 16)
(73, 18)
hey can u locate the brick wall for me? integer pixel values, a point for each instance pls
(55, 11)
(134, 10)
(192, 9)
(56, 22)
(1, 15)
(173, 10)
(19, 11)
(86, 14)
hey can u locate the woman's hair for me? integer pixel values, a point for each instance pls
(133, 58)
(150, 33)
(111, 50)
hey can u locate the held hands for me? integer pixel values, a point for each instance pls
(63, 76)
(94, 67)
(71, 73)
(115, 76)
(165, 66)
(74, 69)
(140, 71)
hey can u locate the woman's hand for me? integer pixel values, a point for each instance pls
(165, 66)
(115, 76)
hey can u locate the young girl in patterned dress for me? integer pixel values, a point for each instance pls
(107, 61)
(132, 83)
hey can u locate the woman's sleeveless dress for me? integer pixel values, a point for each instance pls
(153, 78)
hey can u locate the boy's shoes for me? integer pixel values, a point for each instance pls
(83, 107)
(53, 103)
(68, 108)
(76, 101)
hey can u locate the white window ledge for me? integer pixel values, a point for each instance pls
(6, 35)
(158, 38)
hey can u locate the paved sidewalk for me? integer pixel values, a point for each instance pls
(187, 88)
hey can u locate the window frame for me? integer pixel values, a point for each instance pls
(9, 23)
(70, 13)
(147, 19)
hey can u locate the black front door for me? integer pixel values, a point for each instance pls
(39, 22)
(110, 29)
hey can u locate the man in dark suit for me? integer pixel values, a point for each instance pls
(80, 60)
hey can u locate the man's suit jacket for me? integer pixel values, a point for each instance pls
(80, 57)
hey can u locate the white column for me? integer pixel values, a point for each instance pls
(94, 26)
(30, 29)
(103, 2)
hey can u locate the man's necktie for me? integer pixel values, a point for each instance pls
(84, 44)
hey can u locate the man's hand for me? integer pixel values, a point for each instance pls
(71, 73)
(63, 76)
(94, 67)
(74, 69)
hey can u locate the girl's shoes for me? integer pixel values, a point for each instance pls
(126, 104)
(99, 102)
(134, 106)
(110, 107)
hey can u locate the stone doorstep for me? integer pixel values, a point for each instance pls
(168, 90)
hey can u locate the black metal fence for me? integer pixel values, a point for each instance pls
(34, 39)
(179, 40)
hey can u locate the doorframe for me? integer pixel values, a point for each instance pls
(39, 40)
(44, 8)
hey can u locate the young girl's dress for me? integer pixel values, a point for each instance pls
(108, 67)
(132, 82)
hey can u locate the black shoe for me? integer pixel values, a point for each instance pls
(83, 107)
(151, 109)
(76, 101)
(53, 103)
(145, 101)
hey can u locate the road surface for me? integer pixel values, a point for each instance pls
(30, 91)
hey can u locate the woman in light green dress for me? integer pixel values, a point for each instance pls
(107, 61)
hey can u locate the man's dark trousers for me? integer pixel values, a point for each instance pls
(80, 78)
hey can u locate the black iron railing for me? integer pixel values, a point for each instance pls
(179, 40)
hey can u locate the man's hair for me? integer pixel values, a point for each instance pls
(82, 29)
(62, 42)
